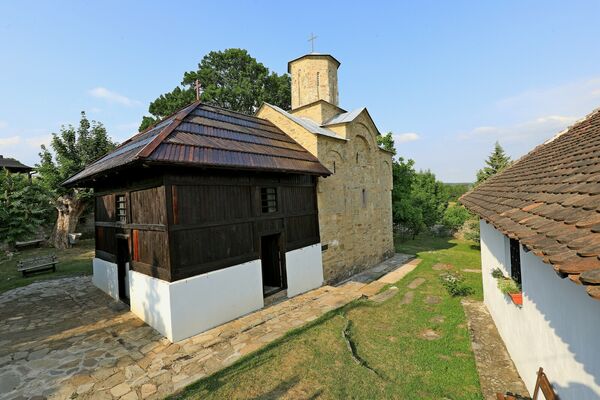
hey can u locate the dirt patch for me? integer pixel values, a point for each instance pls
(442, 267)
(430, 334)
(408, 298)
(433, 299)
(438, 319)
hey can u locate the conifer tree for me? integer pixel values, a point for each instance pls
(495, 163)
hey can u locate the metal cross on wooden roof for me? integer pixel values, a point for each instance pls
(311, 39)
(198, 88)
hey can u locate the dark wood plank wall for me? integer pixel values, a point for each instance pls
(187, 223)
(145, 228)
(217, 220)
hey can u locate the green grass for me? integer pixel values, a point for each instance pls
(315, 362)
(71, 262)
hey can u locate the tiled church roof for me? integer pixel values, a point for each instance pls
(550, 201)
(209, 136)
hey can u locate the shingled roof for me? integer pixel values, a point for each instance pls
(550, 201)
(208, 136)
(13, 165)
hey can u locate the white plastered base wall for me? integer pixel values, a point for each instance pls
(556, 328)
(304, 269)
(190, 306)
(106, 277)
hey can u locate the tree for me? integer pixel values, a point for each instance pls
(418, 199)
(25, 206)
(73, 150)
(386, 142)
(231, 79)
(430, 196)
(495, 163)
(455, 216)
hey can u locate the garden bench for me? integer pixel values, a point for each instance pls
(29, 243)
(542, 383)
(37, 264)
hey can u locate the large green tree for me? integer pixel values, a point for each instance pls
(386, 142)
(73, 149)
(495, 163)
(25, 206)
(418, 198)
(231, 79)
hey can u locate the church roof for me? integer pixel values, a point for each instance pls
(307, 123)
(314, 55)
(549, 200)
(13, 165)
(208, 136)
(345, 117)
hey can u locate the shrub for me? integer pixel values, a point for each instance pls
(497, 273)
(454, 284)
(455, 216)
(507, 285)
(472, 230)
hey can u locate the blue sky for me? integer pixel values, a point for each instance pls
(447, 78)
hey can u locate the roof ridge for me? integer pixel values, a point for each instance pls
(147, 150)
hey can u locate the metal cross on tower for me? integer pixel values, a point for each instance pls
(198, 88)
(311, 39)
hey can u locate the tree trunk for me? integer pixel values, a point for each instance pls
(69, 209)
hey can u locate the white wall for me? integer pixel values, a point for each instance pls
(208, 300)
(189, 306)
(304, 269)
(106, 277)
(556, 328)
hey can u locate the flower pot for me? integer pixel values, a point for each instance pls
(517, 298)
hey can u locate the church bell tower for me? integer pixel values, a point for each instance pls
(314, 77)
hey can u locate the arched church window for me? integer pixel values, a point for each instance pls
(334, 167)
(364, 198)
(357, 157)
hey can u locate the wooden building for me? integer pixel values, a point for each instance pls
(202, 216)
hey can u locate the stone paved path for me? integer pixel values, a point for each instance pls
(66, 339)
(497, 373)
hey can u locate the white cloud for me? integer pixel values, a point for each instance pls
(37, 141)
(405, 137)
(112, 97)
(534, 130)
(3, 124)
(10, 141)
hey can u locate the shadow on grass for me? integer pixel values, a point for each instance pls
(423, 242)
(260, 357)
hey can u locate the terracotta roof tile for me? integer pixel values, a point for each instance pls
(550, 200)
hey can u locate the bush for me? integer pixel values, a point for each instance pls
(507, 285)
(455, 216)
(497, 273)
(472, 230)
(454, 284)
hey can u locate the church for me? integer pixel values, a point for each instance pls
(210, 214)
(355, 207)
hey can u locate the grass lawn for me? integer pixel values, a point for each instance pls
(315, 361)
(74, 261)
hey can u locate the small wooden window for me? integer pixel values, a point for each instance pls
(334, 167)
(121, 208)
(515, 261)
(268, 199)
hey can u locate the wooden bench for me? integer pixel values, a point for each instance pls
(542, 383)
(29, 243)
(37, 264)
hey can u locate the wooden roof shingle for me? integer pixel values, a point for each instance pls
(207, 136)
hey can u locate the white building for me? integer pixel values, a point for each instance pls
(540, 224)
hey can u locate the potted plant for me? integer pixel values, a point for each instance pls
(508, 286)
